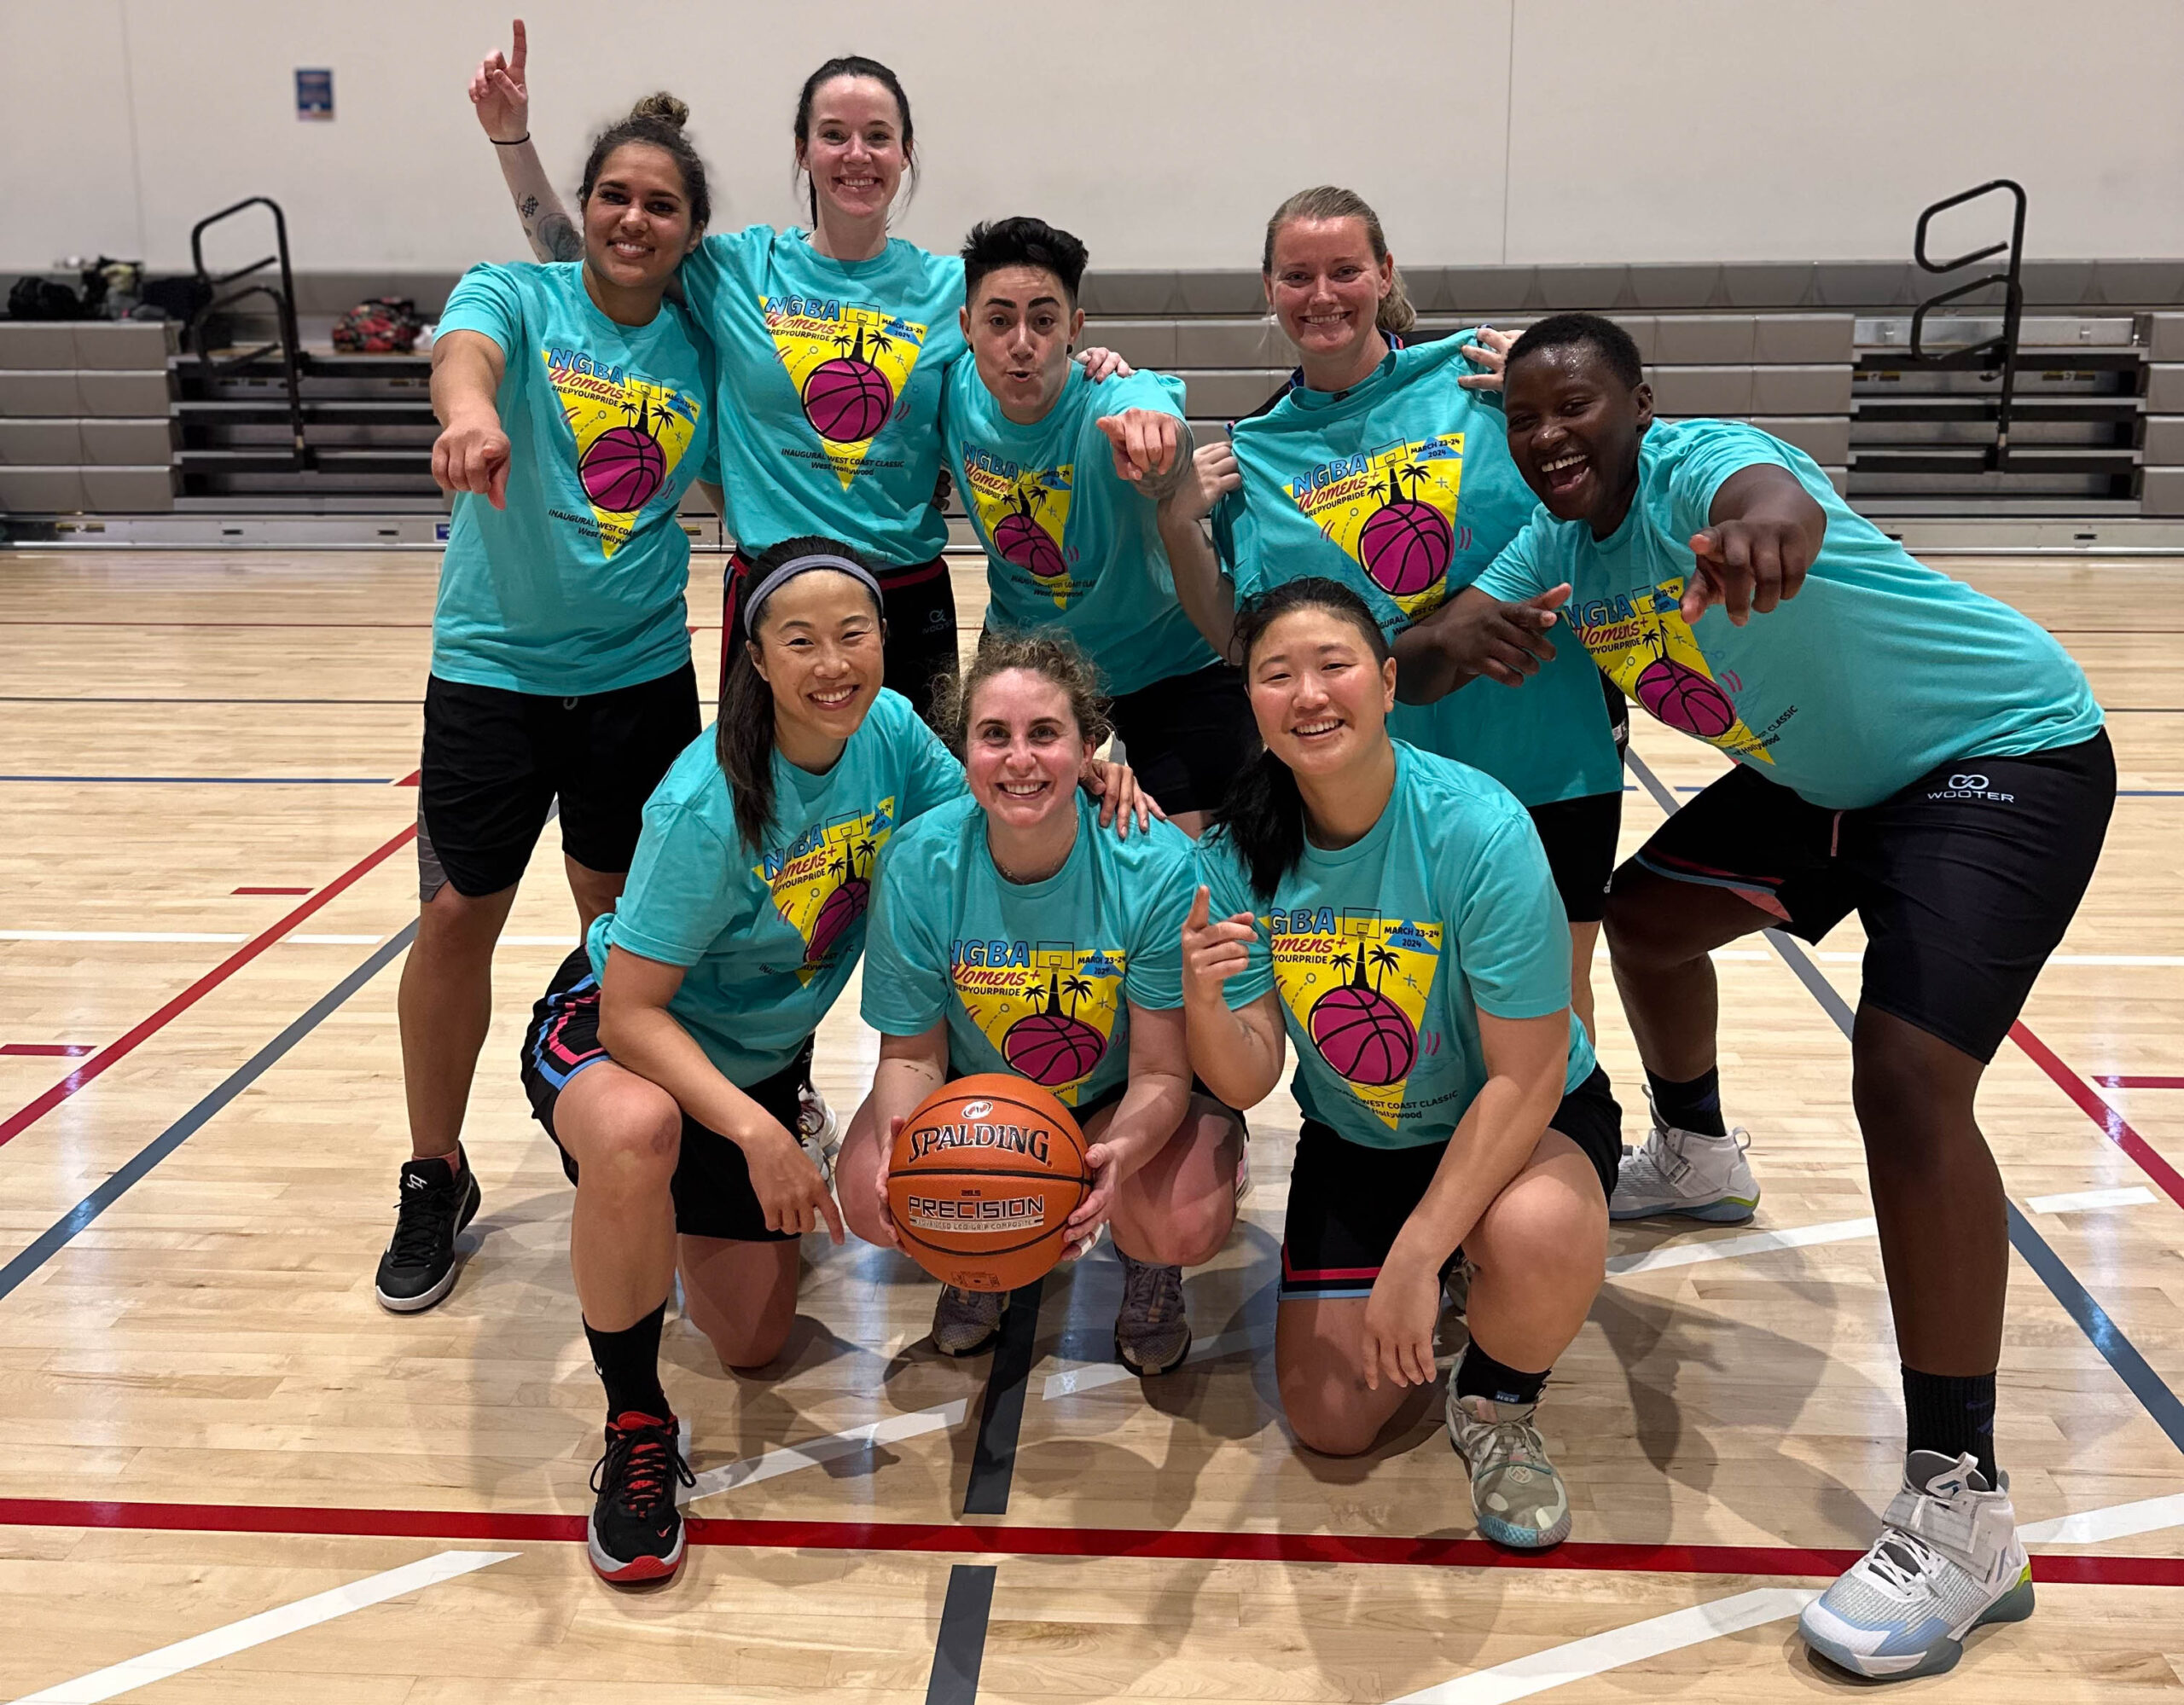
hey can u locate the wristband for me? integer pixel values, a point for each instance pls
(517, 143)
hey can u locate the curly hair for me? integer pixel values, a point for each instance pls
(1052, 657)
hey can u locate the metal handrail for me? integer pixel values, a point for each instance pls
(2003, 348)
(289, 342)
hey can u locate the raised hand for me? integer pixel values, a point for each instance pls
(1146, 442)
(472, 454)
(1214, 949)
(1491, 351)
(1746, 565)
(499, 92)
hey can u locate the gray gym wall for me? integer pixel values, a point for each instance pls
(1162, 131)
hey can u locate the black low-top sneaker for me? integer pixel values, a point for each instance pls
(636, 1532)
(436, 1202)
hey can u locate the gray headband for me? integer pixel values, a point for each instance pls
(780, 576)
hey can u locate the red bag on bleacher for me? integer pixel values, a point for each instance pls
(385, 325)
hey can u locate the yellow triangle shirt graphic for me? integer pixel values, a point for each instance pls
(1393, 511)
(1356, 983)
(1048, 1008)
(630, 436)
(1646, 648)
(850, 367)
(1025, 513)
(822, 881)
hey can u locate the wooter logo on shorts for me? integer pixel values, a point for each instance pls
(1971, 784)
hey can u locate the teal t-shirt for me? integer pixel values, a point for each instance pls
(1402, 489)
(1876, 672)
(830, 379)
(576, 587)
(1384, 953)
(1069, 544)
(1035, 978)
(770, 940)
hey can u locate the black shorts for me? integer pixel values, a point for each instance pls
(918, 604)
(1965, 880)
(1579, 836)
(1619, 713)
(495, 762)
(1187, 736)
(1347, 1202)
(713, 1197)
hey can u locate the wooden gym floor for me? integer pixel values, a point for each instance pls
(226, 1473)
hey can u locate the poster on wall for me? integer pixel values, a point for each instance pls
(314, 94)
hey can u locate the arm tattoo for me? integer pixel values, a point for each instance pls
(558, 238)
(529, 206)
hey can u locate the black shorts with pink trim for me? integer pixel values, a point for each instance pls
(1348, 1202)
(1965, 880)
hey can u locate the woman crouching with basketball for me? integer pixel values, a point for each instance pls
(1008, 934)
(1394, 913)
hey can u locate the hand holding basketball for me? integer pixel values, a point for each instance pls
(789, 1187)
(472, 454)
(1400, 1316)
(1109, 1162)
(1145, 441)
(498, 91)
(1489, 350)
(1213, 474)
(1213, 950)
(1745, 566)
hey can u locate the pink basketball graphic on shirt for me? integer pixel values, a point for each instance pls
(847, 399)
(1049, 1047)
(840, 909)
(1405, 545)
(624, 465)
(1021, 540)
(1685, 699)
(1358, 1030)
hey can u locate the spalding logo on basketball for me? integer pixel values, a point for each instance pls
(1685, 699)
(1358, 1030)
(624, 465)
(847, 399)
(1021, 540)
(1050, 1046)
(982, 1179)
(1405, 545)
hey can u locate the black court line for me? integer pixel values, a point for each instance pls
(993, 1460)
(63, 1230)
(2106, 1336)
(960, 1652)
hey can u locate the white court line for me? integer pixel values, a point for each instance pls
(1757, 955)
(2117, 1521)
(2130, 1196)
(1521, 1677)
(813, 1452)
(256, 1631)
(1755, 1243)
(1094, 1375)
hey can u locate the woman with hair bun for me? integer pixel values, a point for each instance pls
(1385, 465)
(577, 405)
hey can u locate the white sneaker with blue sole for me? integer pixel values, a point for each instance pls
(1948, 1561)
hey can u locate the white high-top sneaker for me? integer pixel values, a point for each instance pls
(1947, 1561)
(1687, 1173)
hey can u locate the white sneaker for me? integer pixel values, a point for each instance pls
(1687, 1173)
(818, 1132)
(1947, 1561)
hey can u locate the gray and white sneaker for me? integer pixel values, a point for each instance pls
(818, 1131)
(1948, 1560)
(1686, 1173)
(965, 1322)
(1152, 1333)
(1516, 1494)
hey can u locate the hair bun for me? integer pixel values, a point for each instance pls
(664, 107)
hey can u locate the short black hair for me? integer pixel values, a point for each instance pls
(1022, 241)
(1617, 347)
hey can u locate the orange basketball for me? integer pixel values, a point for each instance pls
(985, 1175)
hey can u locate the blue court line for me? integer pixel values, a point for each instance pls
(224, 780)
(2106, 1336)
(63, 1230)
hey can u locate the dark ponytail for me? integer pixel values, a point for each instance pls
(743, 732)
(1263, 815)
(657, 122)
(853, 65)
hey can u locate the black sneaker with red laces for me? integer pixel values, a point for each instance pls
(636, 1531)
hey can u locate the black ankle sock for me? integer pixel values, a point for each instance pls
(1952, 1414)
(628, 1362)
(1693, 1106)
(1478, 1375)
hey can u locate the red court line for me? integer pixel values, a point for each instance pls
(47, 1050)
(2113, 1123)
(28, 1115)
(1002, 1539)
(109, 622)
(414, 778)
(2111, 1082)
(272, 890)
